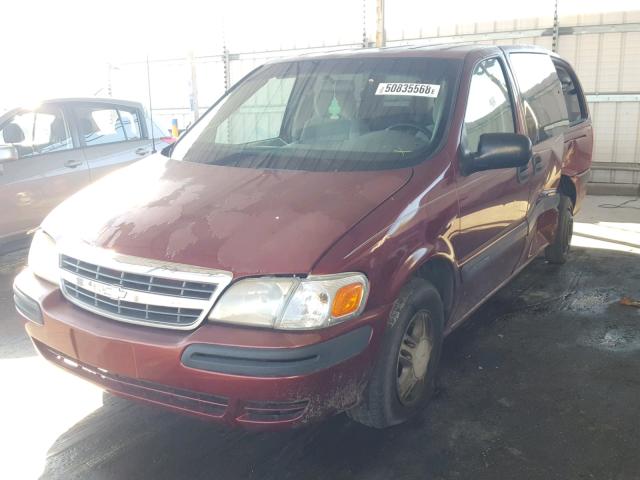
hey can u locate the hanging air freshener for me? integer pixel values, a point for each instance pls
(334, 106)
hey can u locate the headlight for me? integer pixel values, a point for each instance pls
(43, 257)
(293, 303)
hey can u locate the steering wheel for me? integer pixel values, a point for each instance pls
(400, 126)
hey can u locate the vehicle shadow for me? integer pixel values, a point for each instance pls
(540, 383)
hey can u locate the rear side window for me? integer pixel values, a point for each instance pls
(489, 108)
(544, 105)
(573, 97)
(100, 125)
(130, 123)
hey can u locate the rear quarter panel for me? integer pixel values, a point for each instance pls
(577, 159)
(578, 150)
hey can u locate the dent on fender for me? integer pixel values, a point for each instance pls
(411, 210)
(407, 220)
(404, 218)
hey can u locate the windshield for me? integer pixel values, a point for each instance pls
(328, 115)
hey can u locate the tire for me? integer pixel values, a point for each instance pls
(389, 399)
(558, 251)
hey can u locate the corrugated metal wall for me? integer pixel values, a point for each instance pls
(604, 49)
(608, 63)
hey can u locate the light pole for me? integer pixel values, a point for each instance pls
(380, 33)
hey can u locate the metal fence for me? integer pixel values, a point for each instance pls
(603, 48)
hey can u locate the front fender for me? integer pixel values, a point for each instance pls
(397, 238)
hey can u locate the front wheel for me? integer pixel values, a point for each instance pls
(403, 379)
(558, 251)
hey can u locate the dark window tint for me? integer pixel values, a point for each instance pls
(99, 125)
(489, 108)
(37, 132)
(545, 109)
(328, 114)
(572, 95)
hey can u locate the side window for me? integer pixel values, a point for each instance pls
(19, 133)
(544, 105)
(573, 97)
(34, 133)
(489, 108)
(260, 117)
(100, 125)
(131, 124)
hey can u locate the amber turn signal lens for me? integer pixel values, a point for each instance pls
(347, 300)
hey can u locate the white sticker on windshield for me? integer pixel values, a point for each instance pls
(408, 89)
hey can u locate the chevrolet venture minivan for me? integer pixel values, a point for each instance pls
(307, 245)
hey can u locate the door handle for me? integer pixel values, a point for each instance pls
(522, 173)
(142, 151)
(537, 164)
(72, 163)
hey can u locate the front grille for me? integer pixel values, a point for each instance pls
(133, 281)
(211, 405)
(141, 311)
(139, 290)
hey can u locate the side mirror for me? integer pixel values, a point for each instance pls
(498, 150)
(8, 153)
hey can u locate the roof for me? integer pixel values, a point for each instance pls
(459, 51)
(104, 100)
(49, 101)
(109, 100)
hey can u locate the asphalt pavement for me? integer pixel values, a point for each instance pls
(543, 382)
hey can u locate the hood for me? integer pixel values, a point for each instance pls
(247, 221)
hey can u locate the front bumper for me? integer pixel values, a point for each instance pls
(240, 376)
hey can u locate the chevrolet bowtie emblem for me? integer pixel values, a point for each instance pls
(110, 291)
(114, 293)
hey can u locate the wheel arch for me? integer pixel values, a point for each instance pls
(436, 267)
(568, 188)
(440, 271)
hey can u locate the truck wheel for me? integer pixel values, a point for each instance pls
(558, 251)
(403, 378)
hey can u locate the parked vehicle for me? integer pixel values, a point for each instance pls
(313, 238)
(49, 152)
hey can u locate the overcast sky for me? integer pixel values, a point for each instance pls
(62, 47)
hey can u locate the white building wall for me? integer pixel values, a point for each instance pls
(603, 48)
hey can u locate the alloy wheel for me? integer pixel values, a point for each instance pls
(413, 359)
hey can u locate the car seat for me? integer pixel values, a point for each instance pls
(12, 133)
(334, 118)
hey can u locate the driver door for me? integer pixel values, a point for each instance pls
(493, 203)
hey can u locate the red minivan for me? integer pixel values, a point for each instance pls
(307, 245)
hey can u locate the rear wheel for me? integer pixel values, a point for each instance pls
(558, 251)
(403, 378)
